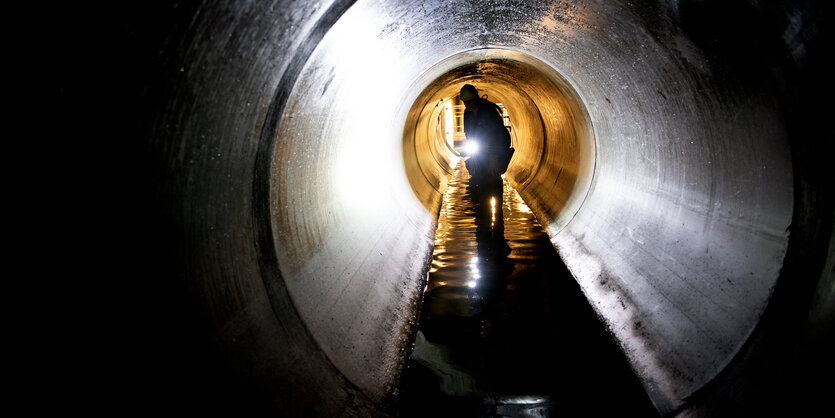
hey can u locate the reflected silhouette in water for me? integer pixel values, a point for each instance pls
(492, 247)
(504, 328)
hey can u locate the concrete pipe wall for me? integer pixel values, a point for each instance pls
(296, 173)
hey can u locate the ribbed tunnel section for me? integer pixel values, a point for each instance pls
(309, 173)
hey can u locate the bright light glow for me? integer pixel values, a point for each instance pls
(471, 283)
(524, 400)
(493, 211)
(471, 147)
(475, 273)
(355, 169)
(359, 153)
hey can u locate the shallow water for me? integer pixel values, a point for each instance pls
(504, 329)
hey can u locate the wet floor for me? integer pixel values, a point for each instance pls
(504, 328)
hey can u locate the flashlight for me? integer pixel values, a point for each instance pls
(471, 147)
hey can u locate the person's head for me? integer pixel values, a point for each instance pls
(468, 95)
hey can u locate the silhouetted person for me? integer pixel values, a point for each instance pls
(484, 126)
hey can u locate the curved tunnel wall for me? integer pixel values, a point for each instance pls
(664, 179)
(551, 130)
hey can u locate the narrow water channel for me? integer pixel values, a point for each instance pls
(504, 328)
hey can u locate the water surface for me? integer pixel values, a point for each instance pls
(504, 328)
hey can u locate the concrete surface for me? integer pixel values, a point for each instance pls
(675, 151)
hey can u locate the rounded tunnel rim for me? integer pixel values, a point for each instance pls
(429, 76)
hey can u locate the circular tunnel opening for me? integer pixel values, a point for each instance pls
(363, 142)
(672, 238)
(550, 129)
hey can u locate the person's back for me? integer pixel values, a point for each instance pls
(484, 124)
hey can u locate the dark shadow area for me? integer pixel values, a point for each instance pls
(785, 367)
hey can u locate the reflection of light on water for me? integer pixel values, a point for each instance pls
(474, 268)
(492, 211)
(513, 197)
(455, 261)
(474, 272)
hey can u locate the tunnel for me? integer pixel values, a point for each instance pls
(675, 152)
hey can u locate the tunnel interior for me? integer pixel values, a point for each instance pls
(294, 175)
(549, 123)
(667, 200)
(347, 130)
